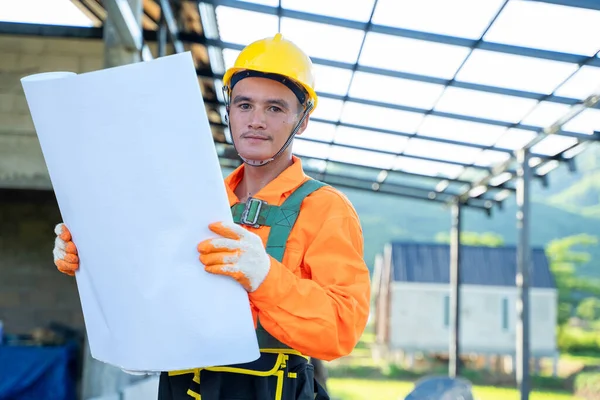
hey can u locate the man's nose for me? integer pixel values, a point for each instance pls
(257, 120)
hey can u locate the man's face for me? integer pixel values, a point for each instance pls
(262, 114)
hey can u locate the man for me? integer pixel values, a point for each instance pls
(296, 246)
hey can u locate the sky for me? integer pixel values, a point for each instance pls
(521, 23)
(55, 12)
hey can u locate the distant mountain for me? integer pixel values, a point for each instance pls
(582, 197)
(579, 191)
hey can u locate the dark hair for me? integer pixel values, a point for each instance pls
(298, 90)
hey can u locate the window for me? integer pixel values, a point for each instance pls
(505, 314)
(446, 310)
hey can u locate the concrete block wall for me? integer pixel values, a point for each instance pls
(21, 160)
(32, 292)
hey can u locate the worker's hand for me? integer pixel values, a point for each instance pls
(65, 252)
(238, 253)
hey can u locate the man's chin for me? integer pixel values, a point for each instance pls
(255, 156)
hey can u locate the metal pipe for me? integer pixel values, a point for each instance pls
(122, 32)
(162, 35)
(523, 273)
(454, 351)
(407, 33)
(171, 23)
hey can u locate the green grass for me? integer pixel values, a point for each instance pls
(359, 377)
(365, 389)
(359, 389)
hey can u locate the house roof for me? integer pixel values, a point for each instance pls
(491, 266)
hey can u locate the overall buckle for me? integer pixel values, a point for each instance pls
(252, 212)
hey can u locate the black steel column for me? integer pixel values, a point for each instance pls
(162, 34)
(455, 230)
(523, 272)
(117, 49)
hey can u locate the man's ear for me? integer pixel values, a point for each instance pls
(303, 125)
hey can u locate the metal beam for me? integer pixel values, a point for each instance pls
(191, 37)
(461, 117)
(96, 33)
(422, 192)
(407, 33)
(523, 274)
(91, 12)
(455, 253)
(125, 22)
(409, 135)
(92, 33)
(85, 32)
(415, 192)
(123, 33)
(162, 35)
(391, 153)
(385, 189)
(346, 97)
(387, 152)
(169, 18)
(365, 186)
(62, 31)
(438, 179)
(551, 130)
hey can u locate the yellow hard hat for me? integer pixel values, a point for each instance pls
(276, 56)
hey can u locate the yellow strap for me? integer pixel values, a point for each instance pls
(279, 388)
(282, 356)
(277, 370)
(284, 351)
(182, 372)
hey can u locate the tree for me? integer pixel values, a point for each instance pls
(589, 309)
(561, 253)
(564, 260)
(487, 239)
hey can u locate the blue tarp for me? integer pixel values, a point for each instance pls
(441, 388)
(29, 372)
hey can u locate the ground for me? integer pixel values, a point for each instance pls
(362, 389)
(359, 377)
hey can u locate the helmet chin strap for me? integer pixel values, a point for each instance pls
(261, 163)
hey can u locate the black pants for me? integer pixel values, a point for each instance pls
(271, 377)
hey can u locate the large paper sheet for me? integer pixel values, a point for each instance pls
(136, 175)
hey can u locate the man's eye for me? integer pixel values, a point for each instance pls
(244, 106)
(275, 109)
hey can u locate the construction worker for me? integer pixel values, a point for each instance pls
(296, 245)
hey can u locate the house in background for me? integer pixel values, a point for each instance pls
(411, 289)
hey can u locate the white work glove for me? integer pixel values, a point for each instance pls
(238, 253)
(65, 252)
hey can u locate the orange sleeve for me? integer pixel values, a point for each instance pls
(322, 317)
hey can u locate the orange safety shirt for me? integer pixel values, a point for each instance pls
(317, 300)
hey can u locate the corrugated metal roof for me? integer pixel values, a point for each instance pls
(494, 266)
